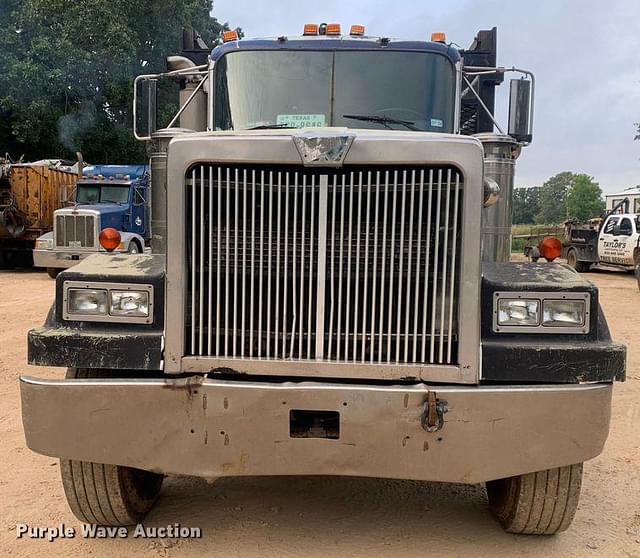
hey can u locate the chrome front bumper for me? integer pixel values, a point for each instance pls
(214, 428)
(58, 260)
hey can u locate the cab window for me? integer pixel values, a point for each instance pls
(610, 224)
(626, 228)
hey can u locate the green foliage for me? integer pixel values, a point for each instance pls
(67, 70)
(526, 204)
(553, 198)
(584, 199)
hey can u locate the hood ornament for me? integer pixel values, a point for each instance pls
(323, 149)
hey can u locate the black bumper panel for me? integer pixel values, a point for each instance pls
(52, 346)
(506, 361)
(546, 357)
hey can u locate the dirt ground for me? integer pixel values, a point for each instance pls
(320, 516)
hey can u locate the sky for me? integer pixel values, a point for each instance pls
(585, 55)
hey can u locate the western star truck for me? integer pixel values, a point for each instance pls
(329, 292)
(108, 198)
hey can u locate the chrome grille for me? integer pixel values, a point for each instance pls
(348, 265)
(75, 231)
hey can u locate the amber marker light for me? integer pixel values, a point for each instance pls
(550, 248)
(109, 239)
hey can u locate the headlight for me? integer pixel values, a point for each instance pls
(541, 312)
(108, 302)
(44, 244)
(129, 303)
(92, 302)
(518, 312)
(562, 313)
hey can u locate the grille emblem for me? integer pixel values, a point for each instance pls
(323, 149)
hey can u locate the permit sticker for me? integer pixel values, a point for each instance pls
(301, 120)
(437, 123)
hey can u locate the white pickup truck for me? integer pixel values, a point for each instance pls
(615, 241)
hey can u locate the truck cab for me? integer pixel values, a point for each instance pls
(107, 197)
(329, 291)
(619, 239)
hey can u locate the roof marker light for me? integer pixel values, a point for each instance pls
(333, 29)
(357, 30)
(439, 37)
(310, 29)
(229, 36)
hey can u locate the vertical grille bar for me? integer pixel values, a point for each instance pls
(401, 265)
(444, 270)
(294, 299)
(452, 262)
(253, 260)
(366, 262)
(436, 255)
(286, 267)
(210, 268)
(407, 305)
(219, 260)
(386, 240)
(244, 263)
(302, 254)
(278, 226)
(321, 267)
(201, 264)
(375, 261)
(193, 264)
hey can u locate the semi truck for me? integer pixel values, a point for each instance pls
(29, 195)
(329, 291)
(108, 199)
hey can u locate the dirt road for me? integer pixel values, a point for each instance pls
(320, 516)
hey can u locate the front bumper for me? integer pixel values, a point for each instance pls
(211, 428)
(56, 259)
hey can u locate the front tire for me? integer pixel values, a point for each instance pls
(541, 503)
(133, 247)
(104, 494)
(53, 272)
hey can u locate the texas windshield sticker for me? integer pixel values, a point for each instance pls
(301, 120)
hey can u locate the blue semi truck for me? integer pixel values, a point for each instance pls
(109, 199)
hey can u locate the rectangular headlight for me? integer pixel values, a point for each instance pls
(541, 312)
(108, 302)
(518, 312)
(92, 302)
(129, 303)
(46, 244)
(563, 313)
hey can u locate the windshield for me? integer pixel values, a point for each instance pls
(318, 88)
(102, 193)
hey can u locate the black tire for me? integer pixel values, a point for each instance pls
(575, 263)
(134, 247)
(541, 503)
(53, 272)
(637, 272)
(105, 494)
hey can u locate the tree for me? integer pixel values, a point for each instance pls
(67, 70)
(526, 204)
(553, 198)
(584, 199)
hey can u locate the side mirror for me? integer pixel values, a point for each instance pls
(520, 110)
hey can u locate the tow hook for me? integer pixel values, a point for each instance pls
(432, 418)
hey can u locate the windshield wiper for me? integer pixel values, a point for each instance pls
(272, 127)
(384, 120)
